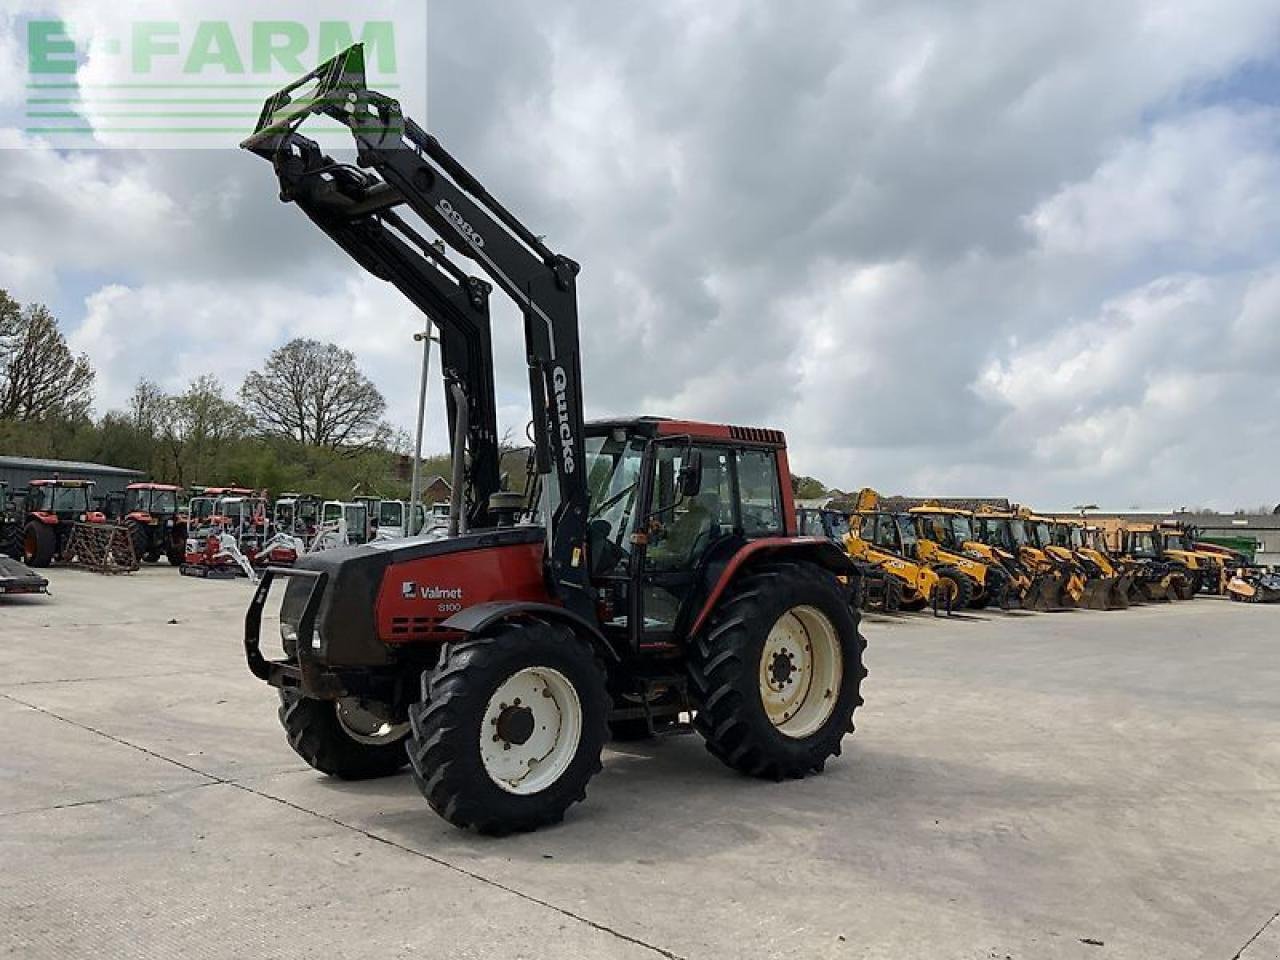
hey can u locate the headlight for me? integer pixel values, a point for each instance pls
(288, 633)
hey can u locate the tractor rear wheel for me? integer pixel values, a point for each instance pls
(775, 677)
(510, 728)
(138, 537)
(39, 544)
(349, 738)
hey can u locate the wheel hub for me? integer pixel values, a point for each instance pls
(530, 731)
(515, 724)
(801, 669)
(782, 668)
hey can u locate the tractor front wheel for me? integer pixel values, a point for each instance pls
(39, 544)
(349, 738)
(776, 676)
(510, 728)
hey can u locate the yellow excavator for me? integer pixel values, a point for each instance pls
(1155, 576)
(889, 541)
(1208, 571)
(1106, 587)
(1040, 533)
(946, 540)
(1007, 531)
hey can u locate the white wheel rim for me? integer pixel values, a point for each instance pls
(531, 729)
(366, 726)
(801, 667)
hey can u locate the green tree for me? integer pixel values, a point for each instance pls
(39, 376)
(315, 394)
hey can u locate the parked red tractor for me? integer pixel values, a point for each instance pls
(51, 509)
(155, 523)
(664, 585)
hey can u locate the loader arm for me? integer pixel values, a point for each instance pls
(457, 304)
(404, 166)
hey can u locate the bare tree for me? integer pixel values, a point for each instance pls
(39, 376)
(314, 393)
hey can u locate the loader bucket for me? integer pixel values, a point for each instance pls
(1105, 593)
(1045, 593)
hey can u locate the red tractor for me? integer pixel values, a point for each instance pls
(51, 510)
(663, 585)
(156, 524)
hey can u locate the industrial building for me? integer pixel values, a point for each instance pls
(17, 472)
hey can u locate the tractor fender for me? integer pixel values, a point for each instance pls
(817, 550)
(48, 519)
(481, 616)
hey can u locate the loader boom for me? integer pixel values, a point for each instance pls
(401, 165)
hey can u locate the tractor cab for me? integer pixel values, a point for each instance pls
(668, 501)
(152, 515)
(151, 501)
(66, 500)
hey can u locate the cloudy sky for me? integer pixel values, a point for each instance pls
(985, 248)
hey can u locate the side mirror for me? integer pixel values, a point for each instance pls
(691, 474)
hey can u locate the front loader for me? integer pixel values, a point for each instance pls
(879, 589)
(663, 583)
(889, 541)
(1208, 571)
(1105, 587)
(946, 538)
(1045, 585)
(1156, 577)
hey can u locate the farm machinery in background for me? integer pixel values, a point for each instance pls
(1139, 550)
(50, 512)
(879, 588)
(15, 576)
(1044, 581)
(1107, 585)
(1253, 584)
(152, 516)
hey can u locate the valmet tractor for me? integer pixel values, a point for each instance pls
(51, 509)
(664, 581)
(156, 526)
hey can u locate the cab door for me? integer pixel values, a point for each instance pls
(680, 529)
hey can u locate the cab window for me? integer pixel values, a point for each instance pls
(760, 492)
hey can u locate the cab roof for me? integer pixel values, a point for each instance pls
(665, 427)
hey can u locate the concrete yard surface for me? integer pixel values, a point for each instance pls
(1020, 786)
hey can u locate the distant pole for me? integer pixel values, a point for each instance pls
(415, 483)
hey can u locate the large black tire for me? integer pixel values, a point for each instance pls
(39, 544)
(448, 723)
(725, 671)
(961, 593)
(892, 594)
(318, 737)
(139, 537)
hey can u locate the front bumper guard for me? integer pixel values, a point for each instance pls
(302, 671)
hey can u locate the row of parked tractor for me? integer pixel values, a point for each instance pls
(206, 532)
(920, 554)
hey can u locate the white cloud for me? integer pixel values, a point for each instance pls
(978, 248)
